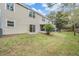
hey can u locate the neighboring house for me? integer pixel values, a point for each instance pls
(17, 18)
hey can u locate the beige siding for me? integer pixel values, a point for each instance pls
(19, 18)
(2, 15)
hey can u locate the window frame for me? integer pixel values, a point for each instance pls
(10, 9)
(32, 14)
(32, 28)
(10, 23)
(41, 27)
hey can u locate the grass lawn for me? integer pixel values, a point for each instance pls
(63, 43)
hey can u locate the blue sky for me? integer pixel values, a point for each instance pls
(39, 7)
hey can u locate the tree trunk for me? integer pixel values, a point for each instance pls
(74, 29)
(48, 33)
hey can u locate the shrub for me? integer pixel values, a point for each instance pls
(48, 28)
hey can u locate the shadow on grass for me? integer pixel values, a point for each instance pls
(51, 34)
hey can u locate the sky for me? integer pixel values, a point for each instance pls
(39, 7)
(42, 8)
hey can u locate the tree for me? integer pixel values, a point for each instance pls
(62, 20)
(70, 7)
(48, 28)
(74, 18)
(74, 21)
(51, 15)
(74, 15)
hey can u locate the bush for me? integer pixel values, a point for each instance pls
(48, 28)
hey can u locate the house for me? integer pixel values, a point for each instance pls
(15, 18)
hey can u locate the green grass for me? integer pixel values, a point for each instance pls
(63, 43)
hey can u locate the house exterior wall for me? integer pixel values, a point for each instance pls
(1, 14)
(21, 19)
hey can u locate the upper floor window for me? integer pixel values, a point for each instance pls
(32, 14)
(10, 6)
(43, 19)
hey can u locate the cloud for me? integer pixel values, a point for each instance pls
(47, 9)
(44, 5)
(35, 9)
(56, 7)
(53, 8)
(39, 11)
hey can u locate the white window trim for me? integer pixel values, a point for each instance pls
(6, 7)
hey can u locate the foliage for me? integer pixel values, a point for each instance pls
(51, 15)
(72, 22)
(48, 28)
(61, 20)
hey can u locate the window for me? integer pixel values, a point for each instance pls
(10, 23)
(43, 19)
(32, 28)
(42, 27)
(10, 6)
(32, 14)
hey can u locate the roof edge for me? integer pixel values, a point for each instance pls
(31, 9)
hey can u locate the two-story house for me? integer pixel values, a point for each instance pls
(15, 18)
